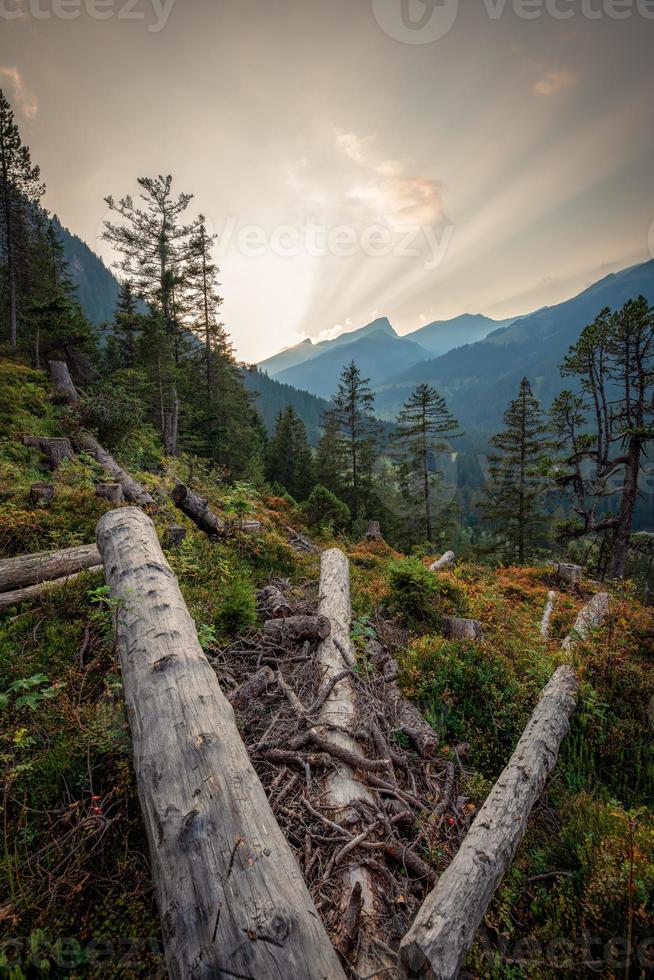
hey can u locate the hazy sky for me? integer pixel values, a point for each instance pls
(384, 169)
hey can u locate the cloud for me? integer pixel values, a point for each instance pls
(354, 147)
(403, 198)
(554, 82)
(25, 100)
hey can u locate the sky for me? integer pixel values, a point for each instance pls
(415, 159)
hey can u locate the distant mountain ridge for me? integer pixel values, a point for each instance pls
(442, 336)
(97, 287)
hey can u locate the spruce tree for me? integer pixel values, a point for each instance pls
(424, 427)
(204, 300)
(353, 434)
(289, 457)
(515, 490)
(20, 193)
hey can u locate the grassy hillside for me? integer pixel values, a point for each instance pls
(74, 878)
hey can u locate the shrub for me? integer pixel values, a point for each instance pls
(413, 589)
(324, 511)
(238, 608)
(111, 411)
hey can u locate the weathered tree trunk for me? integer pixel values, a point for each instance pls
(42, 494)
(252, 688)
(570, 574)
(65, 390)
(113, 492)
(374, 531)
(296, 629)
(591, 616)
(14, 598)
(547, 615)
(231, 897)
(300, 542)
(133, 491)
(15, 573)
(462, 629)
(197, 508)
(171, 424)
(403, 714)
(54, 450)
(272, 603)
(620, 545)
(173, 536)
(444, 560)
(437, 943)
(342, 785)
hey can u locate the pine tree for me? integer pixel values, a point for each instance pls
(204, 300)
(20, 192)
(353, 434)
(155, 248)
(424, 427)
(289, 457)
(127, 325)
(515, 490)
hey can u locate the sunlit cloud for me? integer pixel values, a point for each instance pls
(354, 147)
(555, 81)
(26, 101)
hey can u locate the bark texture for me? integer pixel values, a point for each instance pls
(15, 573)
(112, 492)
(14, 598)
(132, 490)
(547, 615)
(252, 688)
(462, 629)
(374, 531)
(591, 616)
(231, 897)
(295, 629)
(405, 716)
(570, 574)
(65, 390)
(54, 450)
(444, 560)
(437, 943)
(197, 508)
(342, 785)
(42, 494)
(173, 536)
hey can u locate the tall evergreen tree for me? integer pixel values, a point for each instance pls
(353, 433)
(155, 246)
(20, 193)
(515, 491)
(424, 427)
(289, 457)
(204, 300)
(614, 362)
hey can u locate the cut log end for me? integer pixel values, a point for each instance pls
(462, 629)
(42, 494)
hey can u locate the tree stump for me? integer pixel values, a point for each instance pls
(64, 389)
(462, 629)
(112, 492)
(374, 531)
(570, 574)
(42, 494)
(173, 536)
(53, 449)
(133, 491)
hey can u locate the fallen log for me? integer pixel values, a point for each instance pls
(547, 615)
(403, 714)
(300, 542)
(133, 491)
(112, 492)
(295, 629)
(272, 603)
(462, 629)
(64, 389)
(42, 494)
(439, 939)
(18, 596)
(342, 785)
(252, 688)
(197, 508)
(54, 450)
(15, 573)
(591, 616)
(230, 894)
(444, 560)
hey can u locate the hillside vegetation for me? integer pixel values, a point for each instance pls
(75, 861)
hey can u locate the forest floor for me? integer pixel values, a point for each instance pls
(75, 881)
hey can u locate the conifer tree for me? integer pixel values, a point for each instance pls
(127, 325)
(289, 457)
(20, 192)
(424, 427)
(155, 246)
(204, 299)
(515, 490)
(353, 433)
